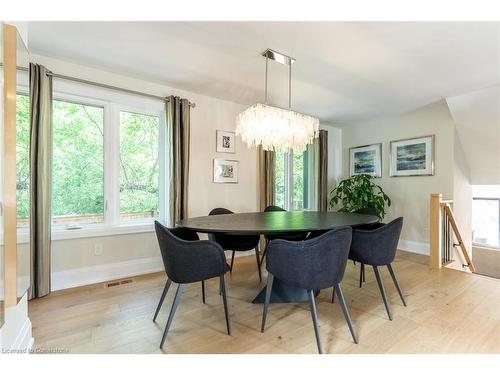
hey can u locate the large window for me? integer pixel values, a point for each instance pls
(108, 166)
(139, 190)
(77, 163)
(291, 180)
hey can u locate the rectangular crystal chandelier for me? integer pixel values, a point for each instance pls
(276, 128)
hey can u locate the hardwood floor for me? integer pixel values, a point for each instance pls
(448, 312)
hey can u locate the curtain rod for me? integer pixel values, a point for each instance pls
(84, 81)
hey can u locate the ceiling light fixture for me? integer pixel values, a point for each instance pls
(276, 128)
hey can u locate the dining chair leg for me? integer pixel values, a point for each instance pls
(361, 269)
(263, 254)
(345, 310)
(314, 315)
(203, 291)
(269, 287)
(175, 303)
(382, 292)
(333, 294)
(258, 263)
(232, 261)
(226, 309)
(391, 271)
(364, 272)
(162, 298)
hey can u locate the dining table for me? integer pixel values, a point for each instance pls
(275, 223)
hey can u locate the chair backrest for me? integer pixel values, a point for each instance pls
(312, 264)
(367, 211)
(377, 247)
(185, 257)
(220, 211)
(273, 208)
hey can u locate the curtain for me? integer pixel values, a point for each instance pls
(178, 123)
(40, 179)
(318, 175)
(267, 161)
(322, 149)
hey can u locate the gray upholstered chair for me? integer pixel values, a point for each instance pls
(377, 247)
(312, 265)
(188, 260)
(366, 211)
(234, 242)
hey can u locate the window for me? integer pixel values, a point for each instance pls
(77, 163)
(291, 180)
(139, 179)
(486, 221)
(486, 215)
(108, 165)
(22, 159)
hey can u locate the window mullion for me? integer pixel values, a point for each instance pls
(112, 165)
(289, 180)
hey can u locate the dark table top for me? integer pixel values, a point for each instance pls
(274, 222)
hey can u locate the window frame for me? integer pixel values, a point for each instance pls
(113, 104)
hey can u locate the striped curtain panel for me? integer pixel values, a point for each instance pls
(178, 127)
(267, 162)
(40, 179)
(321, 151)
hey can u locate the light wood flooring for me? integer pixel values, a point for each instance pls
(448, 312)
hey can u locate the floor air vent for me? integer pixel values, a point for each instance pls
(110, 284)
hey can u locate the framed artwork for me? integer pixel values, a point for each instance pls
(225, 141)
(412, 157)
(366, 160)
(225, 171)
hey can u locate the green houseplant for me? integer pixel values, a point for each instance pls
(358, 192)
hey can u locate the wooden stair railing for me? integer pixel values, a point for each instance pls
(441, 219)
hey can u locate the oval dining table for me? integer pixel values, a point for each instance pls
(275, 223)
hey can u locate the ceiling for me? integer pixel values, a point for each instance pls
(345, 71)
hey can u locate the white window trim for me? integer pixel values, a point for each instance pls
(111, 225)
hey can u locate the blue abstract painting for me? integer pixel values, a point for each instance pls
(364, 162)
(411, 157)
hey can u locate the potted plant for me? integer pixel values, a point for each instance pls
(360, 192)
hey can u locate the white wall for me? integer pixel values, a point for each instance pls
(477, 118)
(462, 193)
(409, 195)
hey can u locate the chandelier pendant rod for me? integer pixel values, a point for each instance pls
(267, 59)
(290, 86)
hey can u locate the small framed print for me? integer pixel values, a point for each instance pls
(225, 171)
(412, 157)
(225, 141)
(366, 160)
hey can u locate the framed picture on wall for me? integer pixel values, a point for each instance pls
(412, 157)
(225, 141)
(225, 171)
(366, 160)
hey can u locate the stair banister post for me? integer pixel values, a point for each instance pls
(435, 224)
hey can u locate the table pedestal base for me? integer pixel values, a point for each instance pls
(283, 293)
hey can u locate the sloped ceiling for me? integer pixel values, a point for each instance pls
(345, 71)
(477, 120)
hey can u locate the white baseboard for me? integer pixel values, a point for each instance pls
(104, 272)
(414, 247)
